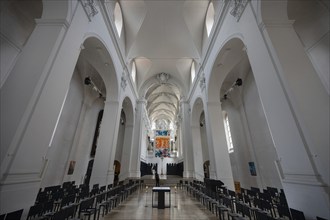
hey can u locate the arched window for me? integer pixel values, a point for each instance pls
(133, 72)
(228, 134)
(118, 18)
(209, 21)
(192, 72)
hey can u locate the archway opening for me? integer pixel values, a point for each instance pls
(248, 136)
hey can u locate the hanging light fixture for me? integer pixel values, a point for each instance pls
(237, 83)
(88, 81)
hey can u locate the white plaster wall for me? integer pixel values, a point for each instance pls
(242, 150)
(144, 143)
(25, 77)
(84, 138)
(312, 26)
(17, 23)
(120, 141)
(265, 153)
(53, 48)
(59, 151)
(205, 150)
(9, 53)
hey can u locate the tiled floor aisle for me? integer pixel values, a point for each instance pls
(139, 206)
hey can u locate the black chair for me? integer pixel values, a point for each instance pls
(229, 204)
(2, 217)
(263, 216)
(283, 211)
(48, 208)
(100, 204)
(86, 208)
(297, 215)
(70, 211)
(319, 218)
(60, 215)
(16, 215)
(239, 208)
(35, 211)
(246, 211)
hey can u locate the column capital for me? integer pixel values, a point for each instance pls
(52, 22)
(183, 101)
(109, 102)
(276, 24)
(129, 125)
(141, 101)
(195, 126)
(213, 103)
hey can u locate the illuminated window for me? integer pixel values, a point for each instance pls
(192, 71)
(228, 134)
(118, 18)
(133, 71)
(209, 21)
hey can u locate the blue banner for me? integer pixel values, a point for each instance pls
(162, 133)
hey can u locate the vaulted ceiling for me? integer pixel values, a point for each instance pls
(163, 36)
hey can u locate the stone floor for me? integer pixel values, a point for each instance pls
(139, 206)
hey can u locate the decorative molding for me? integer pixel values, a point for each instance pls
(239, 6)
(21, 177)
(123, 82)
(276, 24)
(52, 22)
(145, 117)
(89, 8)
(202, 82)
(163, 77)
(302, 179)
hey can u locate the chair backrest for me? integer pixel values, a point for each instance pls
(319, 218)
(16, 215)
(283, 211)
(48, 207)
(60, 215)
(263, 216)
(297, 215)
(35, 210)
(239, 208)
(2, 217)
(227, 203)
(266, 205)
(71, 211)
(246, 211)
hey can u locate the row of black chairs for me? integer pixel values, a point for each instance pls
(248, 204)
(80, 202)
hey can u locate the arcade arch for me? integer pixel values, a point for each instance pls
(125, 138)
(236, 89)
(198, 138)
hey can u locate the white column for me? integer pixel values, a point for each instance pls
(310, 106)
(137, 140)
(37, 84)
(106, 147)
(188, 164)
(178, 139)
(287, 111)
(127, 151)
(197, 152)
(218, 150)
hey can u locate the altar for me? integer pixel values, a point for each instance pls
(161, 197)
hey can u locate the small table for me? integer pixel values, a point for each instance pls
(161, 197)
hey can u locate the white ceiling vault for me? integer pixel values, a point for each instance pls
(163, 36)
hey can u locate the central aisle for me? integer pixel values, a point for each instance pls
(139, 206)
